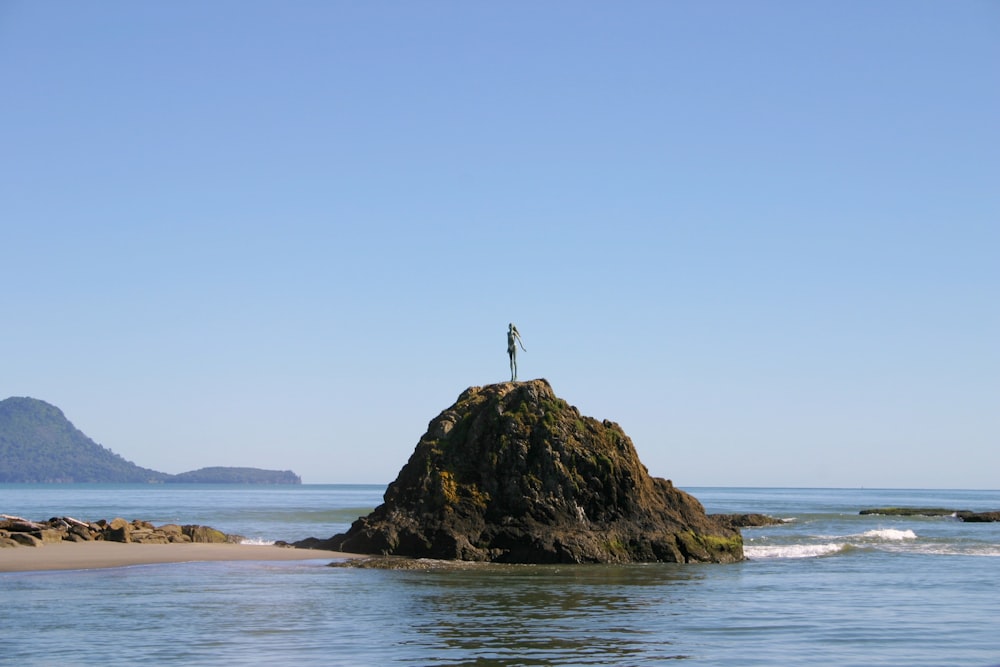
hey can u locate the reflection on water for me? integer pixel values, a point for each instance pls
(542, 614)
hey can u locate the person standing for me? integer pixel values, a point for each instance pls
(512, 336)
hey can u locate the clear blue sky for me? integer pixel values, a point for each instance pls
(764, 237)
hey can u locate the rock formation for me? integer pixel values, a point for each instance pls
(17, 531)
(980, 517)
(912, 511)
(967, 516)
(511, 473)
(747, 520)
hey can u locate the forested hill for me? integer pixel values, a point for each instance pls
(39, 445)
(225, 475)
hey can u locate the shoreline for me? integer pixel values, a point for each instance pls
(103, 554)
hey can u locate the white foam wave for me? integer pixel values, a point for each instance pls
(257, 542)
(988, 550)
(890, 537)
(793, 550)
(890, 534)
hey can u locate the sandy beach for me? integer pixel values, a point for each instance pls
(100, 554)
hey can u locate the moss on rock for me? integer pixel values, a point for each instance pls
(513, 473)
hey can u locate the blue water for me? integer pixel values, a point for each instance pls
(827, 587)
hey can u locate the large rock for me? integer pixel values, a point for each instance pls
(119, 530)
(512, 473)
(26, 539)
(205, 534)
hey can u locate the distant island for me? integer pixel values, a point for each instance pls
(224, 475)
(38, 445)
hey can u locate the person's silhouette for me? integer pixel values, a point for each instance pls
(512, 336)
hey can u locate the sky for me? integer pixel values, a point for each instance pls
(763, 237)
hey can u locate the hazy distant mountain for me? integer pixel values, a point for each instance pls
(39, 445)
(223, 475)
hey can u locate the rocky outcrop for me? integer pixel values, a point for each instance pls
(512, 473)
(15, 531)
(747, 520)
(980, 517)
(912, 511)
(964, 515)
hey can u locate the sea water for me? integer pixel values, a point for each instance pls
(827, 586)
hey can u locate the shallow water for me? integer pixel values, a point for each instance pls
(886, 591)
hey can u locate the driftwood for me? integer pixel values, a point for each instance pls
(23, 523)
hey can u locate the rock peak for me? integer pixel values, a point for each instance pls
(513, 473)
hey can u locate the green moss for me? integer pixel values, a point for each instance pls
(715, 544)
(616, 546)
(478, 497)
(453, 492)
(449, 487)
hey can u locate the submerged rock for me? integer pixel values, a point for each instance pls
(747, 520)
(913, 511)
(511, 473)
(964, 515)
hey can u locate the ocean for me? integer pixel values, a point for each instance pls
(828, 586)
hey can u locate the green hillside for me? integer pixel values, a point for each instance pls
(38, 445)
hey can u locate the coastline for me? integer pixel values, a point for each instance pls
(102, 555)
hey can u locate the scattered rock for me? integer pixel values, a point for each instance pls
(15, 531)
(980, 517)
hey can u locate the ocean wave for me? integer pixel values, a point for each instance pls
(889, 534)
(795, 550)
(833, 545)
(257, 542)
(987, 550)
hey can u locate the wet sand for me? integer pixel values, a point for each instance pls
(96, 555)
